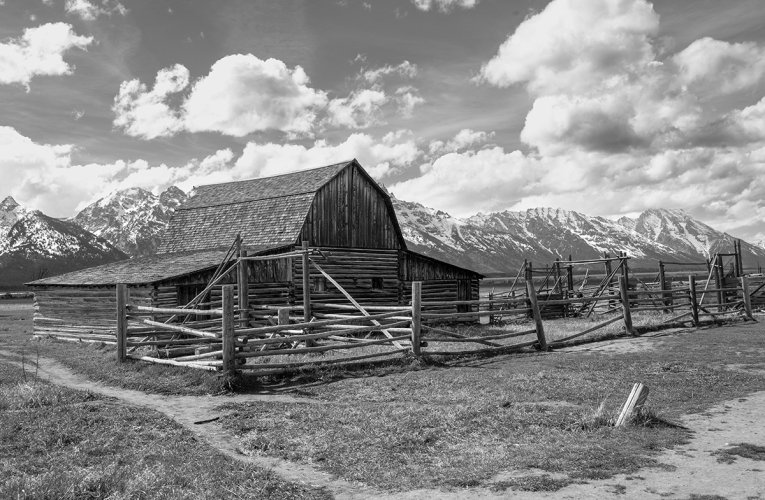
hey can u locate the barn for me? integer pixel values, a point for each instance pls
(346, 218)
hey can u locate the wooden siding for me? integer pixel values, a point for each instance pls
(354, 270)
(351, 211)
(416, 267)
(81, 312)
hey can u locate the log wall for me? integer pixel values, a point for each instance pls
(87, 313)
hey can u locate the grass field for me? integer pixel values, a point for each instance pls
(526, 421)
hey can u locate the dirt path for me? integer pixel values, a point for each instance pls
(188, 410)
(688, 470)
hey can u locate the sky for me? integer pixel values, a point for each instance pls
(605, 107)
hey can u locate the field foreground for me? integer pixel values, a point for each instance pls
(491, 427)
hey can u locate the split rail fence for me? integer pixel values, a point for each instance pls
(224, 340)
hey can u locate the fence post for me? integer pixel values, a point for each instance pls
(625, 300)
(537, 315)
(307, 313)
(243, 290)
(694, 299)
(122, 298)
(416, 316)
(229, 360)
(719, 281)
(663, 286)
(747, 298)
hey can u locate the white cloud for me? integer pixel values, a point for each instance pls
(244, 94)
(89, 11)
(713, 66)
(571, 45)
(379, 158)
(444, 5)
(39, 51)
(241, 94)
(465, 138)
(146, 113)
(403, 70)
(358, 110)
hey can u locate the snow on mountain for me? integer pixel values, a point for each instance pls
(133, 219)
(33, 245)
(499, 242)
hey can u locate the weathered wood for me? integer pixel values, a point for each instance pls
(229, 363)
(585, 332)
(694, 300)
(747, 298)
(168, 310)
(122, 299)
(634, 403)
(243, 289)
(172, 362)
(416, 318)
(625, 300)
(540, 329)
(179, 329)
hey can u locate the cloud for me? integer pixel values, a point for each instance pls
(444, 6)
(243, 94)
(144, 113)
(465, 138)
(358, 110)
(572, 45)
(404, 69)
(89, 11)
(709, 66)
(39, 51)
(379, 157)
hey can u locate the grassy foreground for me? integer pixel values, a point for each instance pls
(526, 422)
(65, 444)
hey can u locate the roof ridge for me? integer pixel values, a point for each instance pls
(292, 172)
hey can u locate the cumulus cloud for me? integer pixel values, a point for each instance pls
(358, 110)
(145, 113)
(39, 51)
(444, 6)
(244, 94)
(379, 157)
(713, 66)
(89, 11)
(572, 45)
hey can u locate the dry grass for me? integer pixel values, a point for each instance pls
(462, 422)
(65, 444)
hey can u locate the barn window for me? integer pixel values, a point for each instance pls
(377, 283)
(319, 285)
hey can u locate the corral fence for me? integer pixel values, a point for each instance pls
(291, 338)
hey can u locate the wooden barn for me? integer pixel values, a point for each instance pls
(346, 219)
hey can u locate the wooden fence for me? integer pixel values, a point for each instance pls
(219, 339)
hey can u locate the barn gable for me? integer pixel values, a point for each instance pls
(337, 205)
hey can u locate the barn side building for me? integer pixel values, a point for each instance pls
(343, 214)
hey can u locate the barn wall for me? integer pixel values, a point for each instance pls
(416, 267)
(350, 211)
(357, 271)
(84, 312)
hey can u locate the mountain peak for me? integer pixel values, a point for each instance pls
(8, 204)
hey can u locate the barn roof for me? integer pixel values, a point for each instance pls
(266, 212)
(144, 270)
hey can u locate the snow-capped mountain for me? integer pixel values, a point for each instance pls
(133, 220)
(34, 245)
(499, 242)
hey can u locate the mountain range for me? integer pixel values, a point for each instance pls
(131, 222)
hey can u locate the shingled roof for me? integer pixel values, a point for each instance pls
(269, 211)
(143, 270)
